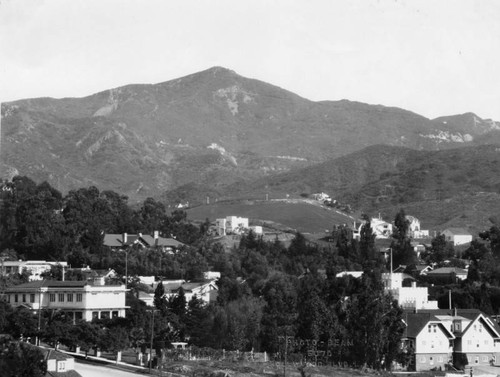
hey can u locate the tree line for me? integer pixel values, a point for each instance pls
(267, 292)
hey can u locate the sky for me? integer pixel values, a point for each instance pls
(433, 57)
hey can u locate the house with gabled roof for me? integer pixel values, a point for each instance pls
(446, 275)
(459, 236)
(125, 240)
(475, 335)
(427, 341)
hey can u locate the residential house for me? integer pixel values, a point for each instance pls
(411, 297)
(477, 336)
(414, 229)
(59, 364)
(206, 290)
(231, 225)
(459, 236)
(35, 267)
(85, 300)
(428, 342)
(446, 275)
(380, 228)
(123, 241)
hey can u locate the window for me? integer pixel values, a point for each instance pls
(52, 297)
(32, 298)
(95, 315)
(62, 366)
(61, 297)
(70, 297)
(78, 315)
(78, 297)
(24, 297)
(485, 359)
(429, 328)
(16, 298)
(480, 328)
(115, 314)
(476, 360)
(440, 359)
(469, 342)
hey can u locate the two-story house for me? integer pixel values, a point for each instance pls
(85, 300)
(477, 336)
(428, 341)
(468, 331)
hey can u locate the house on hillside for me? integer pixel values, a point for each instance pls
(414, 229)
(427, 341)
(59, 364)
(231, 225)
(380, 228)
(35, 267)
(206, 291)
(408, 297)
(447, 275)
(459, 236)
(123, 241)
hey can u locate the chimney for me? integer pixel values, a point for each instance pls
(124, 238)
(156, 237)
(62, 272)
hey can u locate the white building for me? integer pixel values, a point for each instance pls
(459, 236)
(414, 228)
(407, 297)
(380, 228)
(231, 225)
(35, 267)
(78, 299)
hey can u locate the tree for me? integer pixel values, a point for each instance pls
(19, 359)
(160, 302)
(374, 324)
(402, 250)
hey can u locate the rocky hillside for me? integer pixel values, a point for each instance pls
(206, 130)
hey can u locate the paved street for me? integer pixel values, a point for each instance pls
(91, 370)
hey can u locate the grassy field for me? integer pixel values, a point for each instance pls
(300, 215)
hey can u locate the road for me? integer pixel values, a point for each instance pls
(92, 370)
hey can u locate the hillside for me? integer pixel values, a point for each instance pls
(442, 188)
(305, 216)
(204, 131)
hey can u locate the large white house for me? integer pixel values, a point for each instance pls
(428, 341)
(380, 228)
(412, 297)
(459, 236)
(231, 225)
(434, 335)
(79, 299)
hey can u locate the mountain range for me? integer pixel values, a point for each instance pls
(216, 133)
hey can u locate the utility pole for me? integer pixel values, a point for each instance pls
(151, 344)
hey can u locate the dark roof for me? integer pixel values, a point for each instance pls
(415, 323)
(49, 284)
(116, 240)
(458, 231)
(448, 270)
